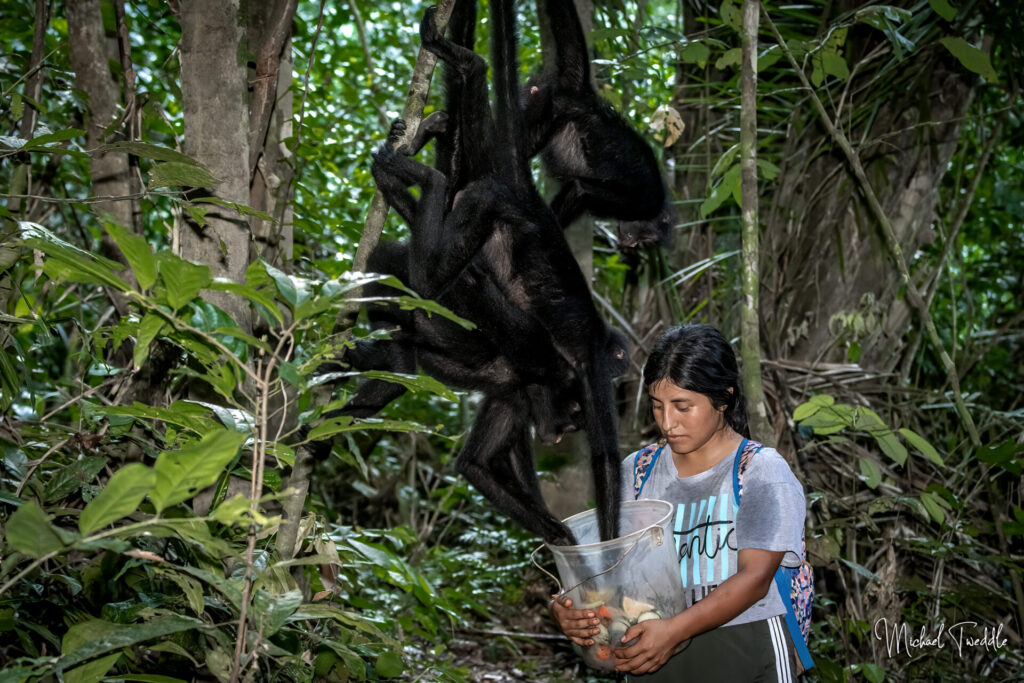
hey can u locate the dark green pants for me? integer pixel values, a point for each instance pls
(756, 651)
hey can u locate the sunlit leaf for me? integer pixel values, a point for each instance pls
(182, 279)
(971, 57)
(29, 531)
(179, 174)
(137, 252)
(182, 473)
(92, 672)
(119, 498)
(918, 442)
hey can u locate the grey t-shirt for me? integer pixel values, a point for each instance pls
(710, 529)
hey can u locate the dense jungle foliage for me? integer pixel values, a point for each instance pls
(161, 520)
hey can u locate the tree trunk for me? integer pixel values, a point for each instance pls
(270, 113)
(216, 109)
(91, 50)
(750, 332)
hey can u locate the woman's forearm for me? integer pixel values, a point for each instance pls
(729, 599)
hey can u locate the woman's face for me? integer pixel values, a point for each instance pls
(686, 418)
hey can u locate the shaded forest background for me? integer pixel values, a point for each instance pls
(185, 193)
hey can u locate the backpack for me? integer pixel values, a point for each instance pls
(797, 582)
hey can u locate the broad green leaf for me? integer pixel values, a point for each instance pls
(943, 9)
(208, 318)
(191, 587)
(72, 477)
(872, 672)
(344, 424)
(234, 511)
(59, 136)
(29, 531)
(295, 290)
(272, 611)
(233, 418)
(859, 568)
(729, 58)
(179, 174)
(389, 665)
(728, 186)
(182, 279)
(88, 639)
(149, 328)
(871, 473)
(972, 58)
(186, 414)
(731, 15)
(148, 151)
(918, 442)
(249, 292)
(92, 672)
(934, 508)
(137, 252)
(242, 209)
(812, 405)
(76, 264)
(182, 473)
(414, 383)
(120, 498)
(695, 52)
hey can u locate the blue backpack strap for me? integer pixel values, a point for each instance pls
(643, 467)
(783, 576)
(784, 581)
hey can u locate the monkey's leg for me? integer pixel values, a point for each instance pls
(498, 433)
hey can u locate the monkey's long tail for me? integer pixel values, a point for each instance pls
(508, 113)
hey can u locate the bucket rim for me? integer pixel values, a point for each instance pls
(604, 544)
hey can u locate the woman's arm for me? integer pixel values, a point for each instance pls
(658, 638)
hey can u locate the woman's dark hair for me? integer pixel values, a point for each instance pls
(699, 359)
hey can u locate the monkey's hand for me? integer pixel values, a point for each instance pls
(429, 35)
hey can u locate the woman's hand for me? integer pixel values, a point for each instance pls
(656, 641)
(579, 624)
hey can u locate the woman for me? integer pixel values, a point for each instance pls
(732, 628)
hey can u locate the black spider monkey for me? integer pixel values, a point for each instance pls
(605, 168)
(499, 225)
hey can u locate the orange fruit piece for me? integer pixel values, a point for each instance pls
(605, 615)
(603, 652)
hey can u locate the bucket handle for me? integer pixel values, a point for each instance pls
(657, 536)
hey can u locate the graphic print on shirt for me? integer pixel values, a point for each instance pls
(704, 533)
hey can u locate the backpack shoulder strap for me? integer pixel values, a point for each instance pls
(643, 463)
(742, 460)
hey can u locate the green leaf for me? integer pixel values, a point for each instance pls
(812, 405)
(184, 414)
(972, 58)
(59, 136)
(94, 671)
(943, 9)
(933, 506)
(728, 186)
(95, 637)
(120, 498)
(731, 15)
(344, 424)
(870, 472)
(695, 52)
(29, 531)
(249, 292)
(859, 568)
(148, 151)
(182, 279)
(182, 473)
(242, 209)
(926, 449)
(729, 58)
(295, 290)
(414, 383)
(192, 589)
(137, 252)
(872, 672)
(180, 174)
(272, 611)
(149, 328)
(389, 665)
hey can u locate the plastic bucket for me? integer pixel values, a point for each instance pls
(626, 580)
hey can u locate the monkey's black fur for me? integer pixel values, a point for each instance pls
(605, 168)
(499, 225)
